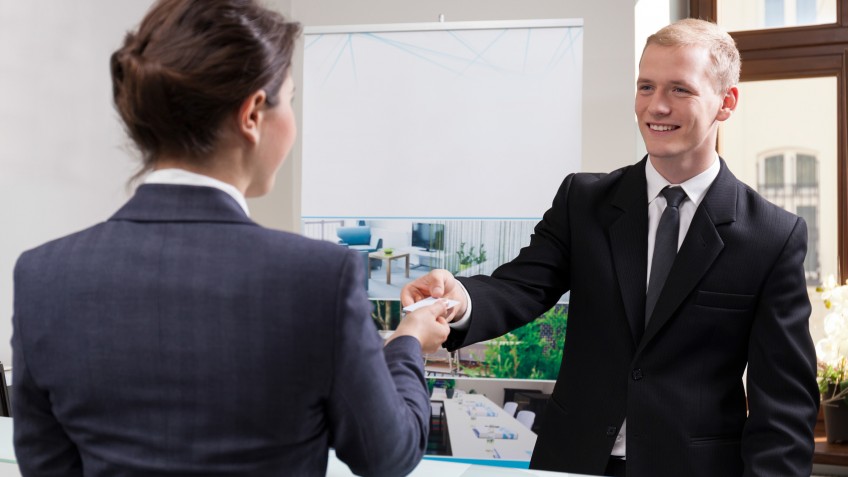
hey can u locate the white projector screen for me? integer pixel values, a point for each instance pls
(446, 120)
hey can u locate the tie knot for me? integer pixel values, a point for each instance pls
(673, 196)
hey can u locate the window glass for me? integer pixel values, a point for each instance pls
(806, 174)
(792, 163)
(774, 171)
(734, 15)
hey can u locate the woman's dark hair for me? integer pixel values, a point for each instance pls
(190, 65)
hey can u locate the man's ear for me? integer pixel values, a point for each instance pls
(250, 116)
(728, 103)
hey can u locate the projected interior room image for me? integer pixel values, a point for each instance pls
(396, 251)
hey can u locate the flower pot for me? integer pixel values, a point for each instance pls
(836, 421)
(449, 392)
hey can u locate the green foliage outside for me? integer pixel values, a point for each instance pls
(533, 351)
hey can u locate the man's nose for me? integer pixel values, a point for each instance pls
(659, 104)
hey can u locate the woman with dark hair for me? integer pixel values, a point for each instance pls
(181, 338)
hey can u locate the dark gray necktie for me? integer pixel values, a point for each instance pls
(665, 247)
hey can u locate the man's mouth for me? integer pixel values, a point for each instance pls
(662, 127)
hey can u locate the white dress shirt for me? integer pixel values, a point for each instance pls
(183, 177)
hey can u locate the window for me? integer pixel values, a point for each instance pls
(789, 180)
(806, 171)
(773, 172)
(736, 15)
(812, 268)
(817, 52)
(774, 13)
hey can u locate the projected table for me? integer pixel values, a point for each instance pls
(379, 255)
(466, 412)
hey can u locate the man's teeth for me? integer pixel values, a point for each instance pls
(657, 127)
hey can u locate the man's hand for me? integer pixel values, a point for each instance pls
(427, 325)
(438, 284)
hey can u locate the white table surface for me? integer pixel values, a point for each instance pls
(465, 443)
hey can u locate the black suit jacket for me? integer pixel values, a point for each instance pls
(181, 338)
(735, 296)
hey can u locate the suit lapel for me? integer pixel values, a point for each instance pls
(628, 235)
(700, 248)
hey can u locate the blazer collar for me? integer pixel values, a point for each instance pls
(181, 203)
(700, 248)
(628, 233)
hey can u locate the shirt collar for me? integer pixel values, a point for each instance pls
(176, 176)
(695, 188)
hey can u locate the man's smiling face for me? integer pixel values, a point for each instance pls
(677, 105)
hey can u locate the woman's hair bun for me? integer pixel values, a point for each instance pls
(190, 64)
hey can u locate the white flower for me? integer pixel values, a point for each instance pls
(834, 348)
(827, 351)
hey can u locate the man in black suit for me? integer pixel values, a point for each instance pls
(680, 277)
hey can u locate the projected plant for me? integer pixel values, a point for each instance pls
(533, 351)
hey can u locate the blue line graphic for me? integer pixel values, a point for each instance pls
(336, 62)
(480, 55)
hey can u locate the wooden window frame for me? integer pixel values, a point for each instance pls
(802, 52)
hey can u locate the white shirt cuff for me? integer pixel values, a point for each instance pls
(464, 321)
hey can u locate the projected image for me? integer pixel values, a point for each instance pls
(396, 251)
(533, 351)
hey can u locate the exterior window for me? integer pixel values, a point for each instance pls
(812, 269)
(790, 180)
(774, 13)
(742, 15)
(805, 12)
(806, 171)
(774, 171)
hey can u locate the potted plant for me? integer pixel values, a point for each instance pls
(466, 259)
(450, 385)
(831, 352)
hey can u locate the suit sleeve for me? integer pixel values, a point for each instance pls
(379, 407)
(524, 288)
(783, 396)
(42, 446)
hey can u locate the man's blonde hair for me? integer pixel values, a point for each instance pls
(691, 32)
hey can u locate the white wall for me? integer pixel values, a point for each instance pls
(63, 161)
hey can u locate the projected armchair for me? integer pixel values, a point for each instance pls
(359, 238)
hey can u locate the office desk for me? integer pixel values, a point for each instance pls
(462, 417)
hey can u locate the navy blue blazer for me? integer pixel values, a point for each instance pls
(735, 296)
(181, 338)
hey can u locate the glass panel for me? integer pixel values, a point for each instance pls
(774, 171)
(734, 15)
(792, 163)
(774, 13)
(811, 261)
(806, 171)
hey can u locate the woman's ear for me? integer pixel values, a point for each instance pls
(251, 115)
